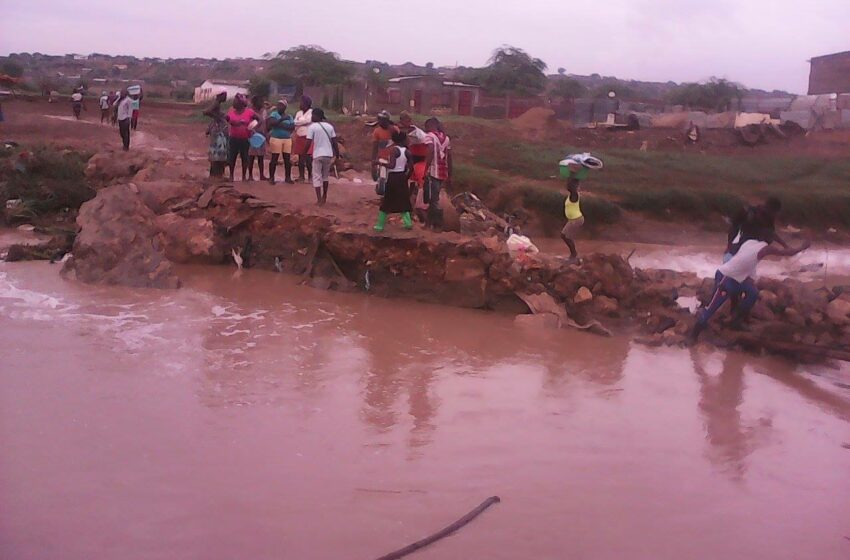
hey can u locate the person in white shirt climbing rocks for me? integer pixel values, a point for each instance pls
(736, 279)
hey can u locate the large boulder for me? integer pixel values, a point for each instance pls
(119, 242)
(110, 167)
(168, 196)
(189, 240)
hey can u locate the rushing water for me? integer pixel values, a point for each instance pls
(249, 417)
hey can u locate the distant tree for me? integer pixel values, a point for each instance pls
(562, 71)
(717, 94)
(225, 68)
(429, 65)
(311, 65)
(513, 71)
(259, 85)
(12, 69)
(568, 88)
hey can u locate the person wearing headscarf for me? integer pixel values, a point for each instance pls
(217, 132)
(259, 152)
(239, 117)
(300, 147)
(280, 127)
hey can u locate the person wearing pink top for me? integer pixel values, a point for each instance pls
(239, 117)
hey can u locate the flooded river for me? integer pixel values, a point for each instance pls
(249, 417)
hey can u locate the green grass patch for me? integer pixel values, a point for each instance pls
(46, 180)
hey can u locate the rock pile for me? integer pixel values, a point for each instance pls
(132, 233)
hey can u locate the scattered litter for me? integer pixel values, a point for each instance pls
(26, 227)
(691, 303)
(357, 180)
(13, 203)
(520, 247)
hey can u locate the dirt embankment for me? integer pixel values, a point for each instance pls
(152, 216)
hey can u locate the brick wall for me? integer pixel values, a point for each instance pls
(830, 74)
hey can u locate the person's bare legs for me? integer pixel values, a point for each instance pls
(571, 245)
(325, 185)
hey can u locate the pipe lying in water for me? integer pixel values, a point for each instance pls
(442, 533)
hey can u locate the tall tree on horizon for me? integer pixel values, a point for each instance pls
(513, 71)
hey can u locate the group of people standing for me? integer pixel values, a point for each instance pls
(410, 165)
(119, 108)
(247, 131)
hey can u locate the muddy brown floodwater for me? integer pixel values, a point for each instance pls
(249, 417)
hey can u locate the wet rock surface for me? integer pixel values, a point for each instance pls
(119, 243)
(130, 234)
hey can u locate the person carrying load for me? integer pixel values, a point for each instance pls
(574, 168)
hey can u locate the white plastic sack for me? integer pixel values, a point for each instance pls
(520, 245)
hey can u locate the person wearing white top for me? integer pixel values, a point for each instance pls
(303, 120)
(321, 136)
(396, 195)
(736, 279)
(124, 112)
(104, 108)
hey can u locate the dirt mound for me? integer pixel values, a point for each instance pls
(535, 122)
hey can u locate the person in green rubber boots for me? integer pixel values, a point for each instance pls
(396, 198)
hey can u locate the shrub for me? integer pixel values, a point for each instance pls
(47, 180)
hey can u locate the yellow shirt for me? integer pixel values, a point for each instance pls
(572, 209)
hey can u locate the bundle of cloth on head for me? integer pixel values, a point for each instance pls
(584, 159)
(576, 166)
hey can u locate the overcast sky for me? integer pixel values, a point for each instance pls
(761, 43)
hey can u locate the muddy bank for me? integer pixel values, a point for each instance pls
(132, 233)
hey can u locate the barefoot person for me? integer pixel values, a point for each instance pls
(574, 169)
(321, 139)
(397, 196)
(239, 117)
(575, 219)
(280, 127)
(735, 279)
(123, 114)
(303, 121)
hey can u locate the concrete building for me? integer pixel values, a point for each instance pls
(423, 94)
(830, 74)
(210, 88)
